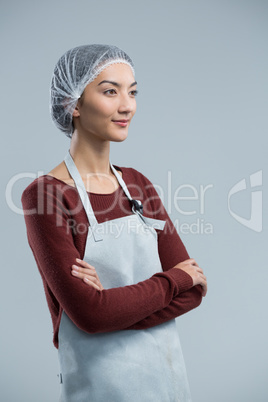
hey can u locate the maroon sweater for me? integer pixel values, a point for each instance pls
(57, 225)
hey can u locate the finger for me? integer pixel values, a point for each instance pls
(84, 272)
(92, 271)
(84, 263)
(88, 271)
(90, 283)
(88, 280)
(81, 275)
(190, 261)
(204, 288)
(202, 278)
(198, 269)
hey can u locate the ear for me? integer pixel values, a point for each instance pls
(76, 111)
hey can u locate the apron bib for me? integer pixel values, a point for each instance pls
(126, 365)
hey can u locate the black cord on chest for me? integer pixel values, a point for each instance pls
(137, 205)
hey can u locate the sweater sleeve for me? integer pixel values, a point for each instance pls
(171, 252)
(91, 310)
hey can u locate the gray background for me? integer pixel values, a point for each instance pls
(201, 68)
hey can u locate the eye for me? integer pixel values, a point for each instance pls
(134, 92)
(110, 91)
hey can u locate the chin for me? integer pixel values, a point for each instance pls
(119, 137)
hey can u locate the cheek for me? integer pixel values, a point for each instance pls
(106, 108)
(99, 110)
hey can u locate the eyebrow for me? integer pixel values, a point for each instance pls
(116, 83)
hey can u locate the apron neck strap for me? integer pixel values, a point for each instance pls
(121, 182)
(71, 166)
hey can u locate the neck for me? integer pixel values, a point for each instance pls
(90, 154)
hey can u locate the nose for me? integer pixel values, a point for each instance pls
(127, 104)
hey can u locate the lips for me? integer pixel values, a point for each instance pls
(122, 123)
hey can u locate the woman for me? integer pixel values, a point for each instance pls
(115, 271)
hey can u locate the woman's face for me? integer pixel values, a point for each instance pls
(104, 104)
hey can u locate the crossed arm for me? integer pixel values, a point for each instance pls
(160, 298)
(172, 252)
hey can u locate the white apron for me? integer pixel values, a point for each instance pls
(127, 365)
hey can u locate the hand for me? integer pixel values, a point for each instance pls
(87, 273)
(192, 268)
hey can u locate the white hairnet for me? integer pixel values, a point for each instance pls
(73, 72)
